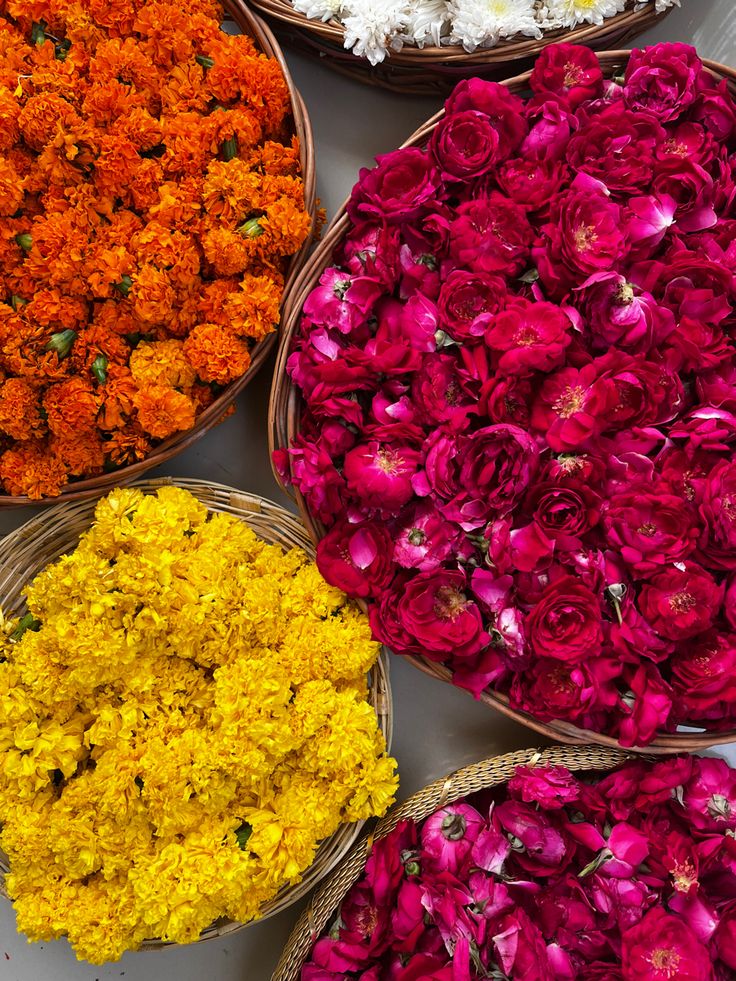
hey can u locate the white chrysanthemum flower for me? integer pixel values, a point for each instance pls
(481, 23)
(319, 9)
(661, 5)
(373, 25)
(570, 13)
(428, 22)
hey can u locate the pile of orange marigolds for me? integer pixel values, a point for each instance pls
(149, 196)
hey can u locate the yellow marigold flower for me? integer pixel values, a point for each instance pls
(182, 721)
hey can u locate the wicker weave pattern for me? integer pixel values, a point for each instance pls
(285, 414)
(26, 551)
(432, 70)
(469, 780)
(252, 25)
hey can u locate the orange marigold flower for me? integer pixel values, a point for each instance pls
(172, 250)
(161, 363)
(20, 410)
(217, 354)
(184, 89)
(152, 294)
(140, 127)
(83, 455)
(52, 308)
(229, 252)
(128, 444)
(110, 271)
(254, 310)
(9, 112)
(118, 316)
(12, 188)
(162, 411)
(148, 177)
(41, 117)
(117, 395)
(117, 16)
(278, 160)
(231, 189)
(116, 166)
(212, 299)
(71, 407)
(285, 227)
(239, 124)
(164, 30)
(30, 469)
(98, 342)
(179, 204)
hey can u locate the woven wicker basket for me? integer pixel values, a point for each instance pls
(469, 780)
(434, 71)
(248, 23)
(284, 420)
(26, 551)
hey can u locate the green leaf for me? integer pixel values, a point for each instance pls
(62, 342)
(230, 148)
(124, 285)
(28, 622)
(99, 368)
(242, 835)
(61, 49)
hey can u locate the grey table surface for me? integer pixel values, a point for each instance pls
(437, 728)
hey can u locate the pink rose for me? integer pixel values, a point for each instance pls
(507, 399)
(726, 936)
(464, 297)
(564, 513)
(398, 188)
(650, 527)
(447, 837)
(527, 337)
(662, 947)
(438, 614)
(664, 80)
(553, 689)
(718, 511)
(380, 475)
(709, 797)
(616, 147)
(572, 407)
(552, 787)
(496, 466)
(464, 144)
(680, 603)
(569, 71)
(504, 110)
(356, 557)
(565, 623)
(615, 312)
(342, 300)
(492, 235)
(648, 704)
(704, 674)
(310, 468)
(533, 184)
(440, 394)
(424, 539)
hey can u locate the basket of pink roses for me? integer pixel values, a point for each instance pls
(573, 864)
(506, 397)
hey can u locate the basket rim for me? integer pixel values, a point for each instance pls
(284, 422)
(246, 506)
(505, 50)
(460, 783)
(251, 24)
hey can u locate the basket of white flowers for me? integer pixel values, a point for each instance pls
(426, 46)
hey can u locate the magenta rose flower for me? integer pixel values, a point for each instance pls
(356, 557)
(569, 71)
(704, 674)
(342, 300)
(437, 612)
(616, 147)
(465, 145)
(584, 236)
(424, 539)
(491, 235)
(616, 312)
(464, 298)
(565, 623)
(726, 936)
(664, 80)
(681, 602)
(564, 513)
(572, 407)
(440, 393)
(400, 187)
(496, 466)
(507, 399)
(380, 475)
(552, 787)
(448, 837)
(648, 703)
(662, 947)
(650, 527)
(527, 337)
(718, 511)
(533, 184)
(504, 110)
(709, 797)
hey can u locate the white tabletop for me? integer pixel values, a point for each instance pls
(437, 728)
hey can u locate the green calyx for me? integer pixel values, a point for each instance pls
(205, 61)
(251, 228)
(27, 622)
(230, 148)
(25, 241)
(99, 368)
(124, 286)
(62, 342)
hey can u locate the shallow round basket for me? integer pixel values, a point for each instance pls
(247, 23)
(434, 71)
(469, 780)
(25, 552)
(285, 415)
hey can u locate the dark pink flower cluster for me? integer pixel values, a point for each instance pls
(519, 385)
(552, 878)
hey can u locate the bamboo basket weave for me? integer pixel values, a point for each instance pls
(434, 71)
(24, 552)
(469, 780)
(248, 23)
(284, 421)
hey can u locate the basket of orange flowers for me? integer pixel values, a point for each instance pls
(156, 201)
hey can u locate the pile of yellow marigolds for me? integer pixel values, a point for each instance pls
(183, 717)
(149, 196)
